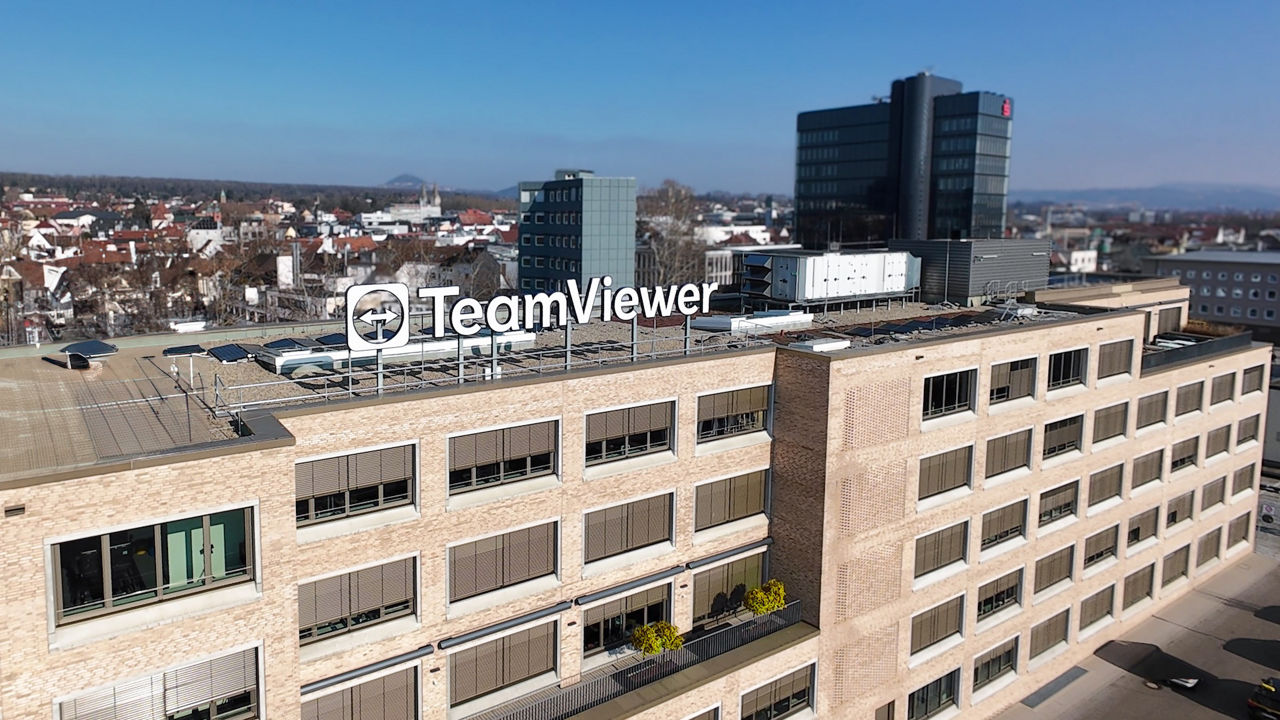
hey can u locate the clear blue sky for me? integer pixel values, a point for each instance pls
(483, 94)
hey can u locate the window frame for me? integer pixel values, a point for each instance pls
(934, 700)
(602, 625)
(1062, 448)
(1005, 657)
(1105, 421)
(384, 499)
(650, 445)
(1056, 512)
(712, 426)
(1110, 367)
(964, 548)
(110, 605)
(1004, 533)
(386, 611)
(630, 532)
(531, 470)
(1070, 551)
(1099, 555)
(730, 500)
(1030, 365)
(501, 567)
(992, 600)
(965, 383)
(1005, 442)
(1095, 477)
(1070, 371)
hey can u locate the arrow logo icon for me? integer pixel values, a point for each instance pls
(374, 316)
(378, 319)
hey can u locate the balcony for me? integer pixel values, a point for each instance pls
(1168, 349)
(636, 672)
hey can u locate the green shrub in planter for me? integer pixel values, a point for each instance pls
(645, 639)
(767, 598)
(668, 635)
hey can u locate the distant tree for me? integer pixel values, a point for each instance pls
(669, 216)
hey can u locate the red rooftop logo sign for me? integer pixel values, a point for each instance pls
(1006, 108)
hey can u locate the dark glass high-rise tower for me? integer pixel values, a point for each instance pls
(928, 161)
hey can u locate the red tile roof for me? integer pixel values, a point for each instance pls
(471, 216)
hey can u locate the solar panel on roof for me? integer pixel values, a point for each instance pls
(283, 344)
(90, 349)
(182, 350)
(228, 353)
(332, 340)
(250, 349)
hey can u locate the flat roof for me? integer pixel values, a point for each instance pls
(131, 405)
(1269, 257)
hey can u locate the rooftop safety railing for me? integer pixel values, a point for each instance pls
(1156, 357)
(475, 364)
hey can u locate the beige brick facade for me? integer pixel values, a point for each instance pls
(845, 444)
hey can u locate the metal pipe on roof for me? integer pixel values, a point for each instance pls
(342, 677)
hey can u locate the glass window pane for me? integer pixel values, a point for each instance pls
(133, 565)
(228, 546)
(81, 562)
(184, 554)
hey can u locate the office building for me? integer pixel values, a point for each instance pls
(958, 516)
(1234, 288)
(929, 161)
(575, 227)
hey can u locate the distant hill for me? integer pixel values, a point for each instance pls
(1171, 196)
(404, 181)
(509, 192)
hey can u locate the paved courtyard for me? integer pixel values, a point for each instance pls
(1226, 633)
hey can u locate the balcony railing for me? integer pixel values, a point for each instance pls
(603, 685)
(1154, 359)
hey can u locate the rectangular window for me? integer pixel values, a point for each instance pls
(355, 600)
(1152, 409)
(1222, 388)
(224, 687)
(500, 663)
(1142, 526)
(1110, 422)
(617, 434)
(1105, 484)
(495, 457)
(948, 394)
(1013, 380)
(1050, 633)
(623, 528)
(784, 697)
(1247, 430)
(1008, 452)
(1115, 358)
(390, 697)
(1000, 593)
(1097, 606)
(1054, 568)
(1068, 368)
(939, 549)
(1242, 479)
(733, 413)
(719, 591)
(1179, 509)
(1062, 436)
(609, 626)
(1207, 548)
(1213, 493)
(1189, 397)
(884, 712)
(1138, 585)
(996, 662)
(117, 571)
(1100, 546)
(1058, 503)
(1251, 379)
(1184, 454)
(1238, 530)
(945, 471)
(1170, 320)
(1147, 468)
(724, 501)
(1003, 524)
(937, 624)
(336, 487)
(935, 697)
(501, 560)
(1175, 565)
(1217, 441)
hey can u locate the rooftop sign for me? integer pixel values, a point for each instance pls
(377, 314)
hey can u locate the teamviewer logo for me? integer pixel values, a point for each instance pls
(377, 316)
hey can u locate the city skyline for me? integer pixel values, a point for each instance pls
(706, 95)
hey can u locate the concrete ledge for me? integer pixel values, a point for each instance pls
(654, 694)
